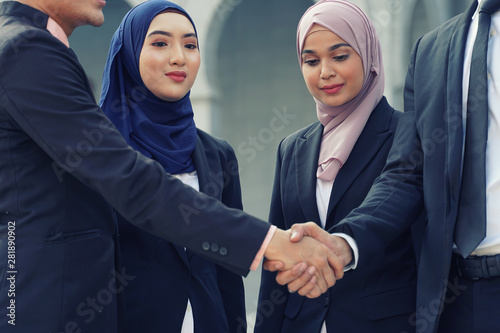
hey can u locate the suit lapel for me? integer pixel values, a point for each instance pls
(454, 103)
(306, 162)
(373, 136)
(201, 164)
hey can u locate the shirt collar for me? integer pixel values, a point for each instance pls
(56, 31)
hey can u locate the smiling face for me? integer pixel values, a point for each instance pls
(170, 58)
(332, 70)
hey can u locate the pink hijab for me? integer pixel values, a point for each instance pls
(343, 124)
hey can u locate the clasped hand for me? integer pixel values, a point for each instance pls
(308, 259)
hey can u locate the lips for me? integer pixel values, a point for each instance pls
(332, 88)
(177, 76)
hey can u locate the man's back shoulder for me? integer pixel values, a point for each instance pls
(18, 21)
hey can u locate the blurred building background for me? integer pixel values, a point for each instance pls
(249, 89)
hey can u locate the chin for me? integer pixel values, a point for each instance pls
(171, 98)
(97, 21)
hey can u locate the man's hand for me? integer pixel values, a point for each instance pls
(299, 277)
(338, 245)
(323, 265)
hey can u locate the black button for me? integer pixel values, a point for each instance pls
(205, 246)
(326, 301)
(223, 251)
(215, 247)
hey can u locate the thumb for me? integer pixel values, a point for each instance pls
(273, 265)
(300, 230)
(297, 232)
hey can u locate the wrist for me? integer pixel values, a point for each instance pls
(347, 255)
(274, 245)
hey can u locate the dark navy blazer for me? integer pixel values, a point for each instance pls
(423, 167)
(378, 297)
(63, 168)
(166, 274)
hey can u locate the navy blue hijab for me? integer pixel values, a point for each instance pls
(162, 130)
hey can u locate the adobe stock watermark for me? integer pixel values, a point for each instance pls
(428, 144)
(91, 307)
(213, 188)
(39, 20)
(250, 147)
(258, 142)
(93, 137)
(424, 315)
(75, 155)
(11, 272)
(265, 309)
(383, 17)
(226, 7)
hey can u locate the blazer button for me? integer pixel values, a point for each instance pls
(215, 247)
(205, 246)
(223, 251)
(326, 301)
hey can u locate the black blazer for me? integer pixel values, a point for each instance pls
(63, 166)
(378, 297)
(423, 169)
(166, 275)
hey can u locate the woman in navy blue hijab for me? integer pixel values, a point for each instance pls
(152, 65)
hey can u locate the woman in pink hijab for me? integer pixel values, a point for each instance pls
(326, 169)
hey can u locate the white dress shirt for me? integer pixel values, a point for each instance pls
(323, 193)
(190, 179)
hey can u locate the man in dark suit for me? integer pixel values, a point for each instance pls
(458, 291)
(64, 166)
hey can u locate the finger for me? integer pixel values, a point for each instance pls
(315, 293)
(310, 288)
(303, 280)
(273, 265)
(329, 276)
(328, 272)
(321, 281)
(337, 266)
(325, 274)
(285, 277)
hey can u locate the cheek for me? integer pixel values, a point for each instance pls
(150, 70)
(194, 62)
(144, 67)
(359, 80)
(358, 76)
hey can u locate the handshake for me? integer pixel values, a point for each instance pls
(308, 259)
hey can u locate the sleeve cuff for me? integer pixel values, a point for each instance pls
(354, 247)
(263, 248)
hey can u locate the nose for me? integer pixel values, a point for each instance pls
(177, 57)
(327, 71)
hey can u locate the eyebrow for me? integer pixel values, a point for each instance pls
(331, 48)
(166, 33)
